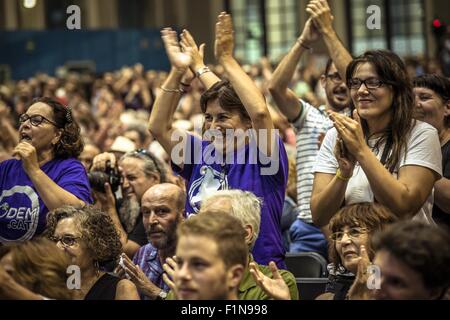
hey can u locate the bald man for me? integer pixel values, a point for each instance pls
(162, 209)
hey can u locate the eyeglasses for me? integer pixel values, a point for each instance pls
(67, 241)
(370, 83)
(149, 156)
(352, 233)
(334, 77)
(35, 120)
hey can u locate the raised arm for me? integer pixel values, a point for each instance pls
(160, 123)
(251, 97)
(321, 13)
(284, 97)
(198, 67)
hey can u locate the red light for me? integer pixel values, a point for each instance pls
(437, 23)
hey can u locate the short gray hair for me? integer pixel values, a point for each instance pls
(245, 206)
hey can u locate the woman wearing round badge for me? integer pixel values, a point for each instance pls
(45, 174)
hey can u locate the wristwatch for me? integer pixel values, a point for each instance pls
(162, 295)
(201, 71)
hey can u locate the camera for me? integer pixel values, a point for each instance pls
(97, 179)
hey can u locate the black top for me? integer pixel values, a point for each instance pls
(138, 234)
(439, 215)
(104, 288)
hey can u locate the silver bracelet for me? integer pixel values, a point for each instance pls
(171, 90)
(201, 71)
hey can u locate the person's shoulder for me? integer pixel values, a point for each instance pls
(287, 275)
(126, 290)
(10, 163)
(66, 162)
(420, 127)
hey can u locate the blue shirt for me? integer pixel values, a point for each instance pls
(23, 214)
(147, 258)
(264, 176)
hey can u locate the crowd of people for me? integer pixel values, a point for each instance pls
(193, 184)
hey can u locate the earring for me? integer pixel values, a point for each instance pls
(97, 268)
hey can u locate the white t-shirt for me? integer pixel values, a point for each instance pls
(423, 149)
(309, 126)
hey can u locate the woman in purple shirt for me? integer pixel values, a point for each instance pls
(45, 175)
(240, 149)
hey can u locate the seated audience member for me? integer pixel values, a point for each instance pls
(34, 270)
(211, 257)
(139, 135)
(236, 105)
(162, 210)
(382, 154)
(139, 171)
(414, 263)
(88, 154)
(46, 173)
(352, 227)
(89, 238)
(433, 106)
(246, 207)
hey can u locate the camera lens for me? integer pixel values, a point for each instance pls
(97, 179)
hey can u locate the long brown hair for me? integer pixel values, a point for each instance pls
(391, 71)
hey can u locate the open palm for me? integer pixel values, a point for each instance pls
(178, 59)
(224, 43)
(274, 287)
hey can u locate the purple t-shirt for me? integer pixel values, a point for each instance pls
(263, 176)
(23, 214)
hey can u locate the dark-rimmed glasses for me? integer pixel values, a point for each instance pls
(370, 83)
(35, 120)
(334, 77)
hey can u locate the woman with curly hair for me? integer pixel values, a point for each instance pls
(37, 266)
(46, 173)
(89, 238)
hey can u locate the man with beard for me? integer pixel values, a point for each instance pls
(162, 210)
(140, 170)
(310, 124)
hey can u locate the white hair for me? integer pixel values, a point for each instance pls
(245, 206)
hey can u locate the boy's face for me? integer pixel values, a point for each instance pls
(201, 274)
(400, 282)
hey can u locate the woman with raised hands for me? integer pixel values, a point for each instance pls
(239, 151)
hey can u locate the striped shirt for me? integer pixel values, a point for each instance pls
(312, 123)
